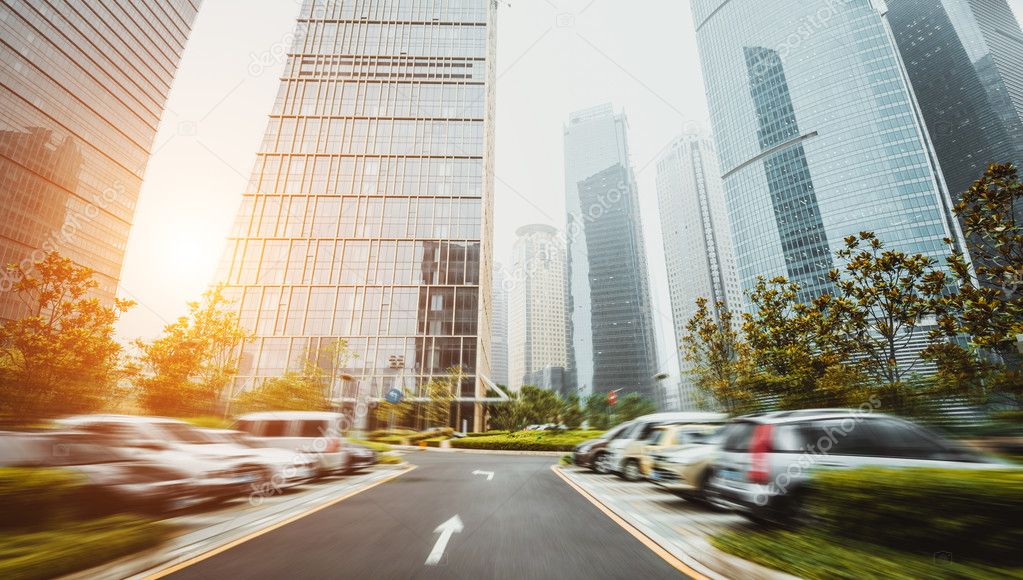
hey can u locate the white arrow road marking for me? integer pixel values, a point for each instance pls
(489, 474)
(452, 526)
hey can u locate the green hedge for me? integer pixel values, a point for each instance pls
(74, 547)
(378, 446)
(487, 434)
(813, 555)
(417, 437)
(527, 441)
(379, 433)
(974, 514)
(36, 497)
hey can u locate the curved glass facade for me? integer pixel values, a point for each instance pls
(82, 89)
(817, 135)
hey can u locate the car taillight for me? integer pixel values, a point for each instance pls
(759, 447)
(333, 445)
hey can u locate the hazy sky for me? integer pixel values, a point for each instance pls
(554, 57)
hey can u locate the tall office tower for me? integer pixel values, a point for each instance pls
(697, 240)
(368, 216)
(499, 327)
(817, 136)
(613, 344)
(964, 59)
(538, 333)
(82, 89)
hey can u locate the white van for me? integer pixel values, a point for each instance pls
(318, 433)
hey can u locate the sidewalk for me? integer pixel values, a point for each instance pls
(676, 525)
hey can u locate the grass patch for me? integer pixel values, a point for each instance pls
(75, 546)
(813, 555)
(527, 440)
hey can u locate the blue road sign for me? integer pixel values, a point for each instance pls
(394, 396)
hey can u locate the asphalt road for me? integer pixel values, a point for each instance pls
(525, 523)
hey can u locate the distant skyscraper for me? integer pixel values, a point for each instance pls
(538, 333)
(965, 61)
(817, 136)
(697, 240)
(82, 91)
(368, 216)
(613, 344)
(499, 328)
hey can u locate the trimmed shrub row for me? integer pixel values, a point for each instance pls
(527, 441)
(974, 514)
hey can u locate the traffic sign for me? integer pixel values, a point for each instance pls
(394, 396)
(612, 398)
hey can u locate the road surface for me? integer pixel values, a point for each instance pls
(523, 522)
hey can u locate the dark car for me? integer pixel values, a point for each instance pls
(590, 452)
(112, 481)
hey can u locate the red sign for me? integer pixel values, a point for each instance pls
(612, 397)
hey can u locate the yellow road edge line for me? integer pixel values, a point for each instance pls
(643, 538)
(234, 543)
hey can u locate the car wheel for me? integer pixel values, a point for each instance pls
(602, 464)
(632, 472)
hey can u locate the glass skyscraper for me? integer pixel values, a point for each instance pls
(965, 61)
(697, 241)
(368, 216)
(82, 89)
(538, 331)
(817, 136)
(612, 334)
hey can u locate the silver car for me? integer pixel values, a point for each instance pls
(766, 461)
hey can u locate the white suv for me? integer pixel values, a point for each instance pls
(316, 433)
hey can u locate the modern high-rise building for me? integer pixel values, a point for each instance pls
(964, 59)
(697, 240)
(538, 332)
(817, 136)
(368, 217)
(82, 89)
(611, 326)
(499, 327)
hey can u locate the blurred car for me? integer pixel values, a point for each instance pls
(112, 481)
(222, 472)
(290, 468)
(672, 436)
(623, 453)
(361, 456)
(590, 453)
(685, 469)
(766, 461)
(316, 433)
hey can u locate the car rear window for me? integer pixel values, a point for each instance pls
(737, 436)
(273, 428)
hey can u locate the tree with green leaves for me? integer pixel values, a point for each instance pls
(530, 406)
(713, 349)
(62, 357)
(189, 368)
(987, 308)
(571, 413)
(889, 299)
(796, 351)
(293, 391)
(631, 406)
(598, 411)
